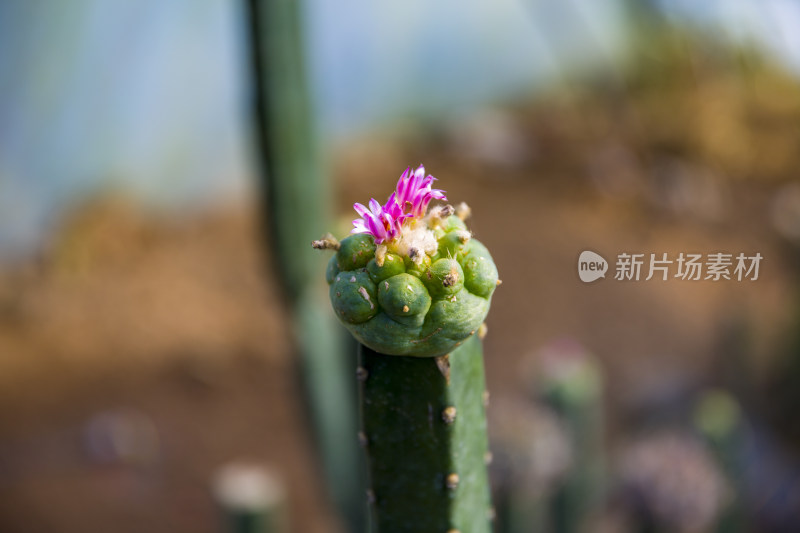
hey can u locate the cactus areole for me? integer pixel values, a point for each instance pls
(409, 280)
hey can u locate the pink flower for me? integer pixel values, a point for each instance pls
(384, 222)
(415, 189)
(393, 208)
(381, 221)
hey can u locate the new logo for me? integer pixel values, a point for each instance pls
(591, 266)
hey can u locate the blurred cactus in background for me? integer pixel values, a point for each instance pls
(295, 199)
(531, 455)
(570, 381)
(719, 420)
(782, 390)
(672, 484)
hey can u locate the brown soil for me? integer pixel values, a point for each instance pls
(172, 320)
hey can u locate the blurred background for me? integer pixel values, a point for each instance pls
(164, 165)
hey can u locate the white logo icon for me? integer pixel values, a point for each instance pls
(591, 266)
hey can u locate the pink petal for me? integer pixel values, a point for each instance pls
(361, 209)
(375, 207)
(391, 205)
(386, 220)
(423, 206)
(395, 211)
(438, 194)
(413, 185)
(374, 227)
(402, 187)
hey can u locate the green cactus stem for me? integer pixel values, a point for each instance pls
(424, 432)
(293, 193)
(571, 384)
(718, 418)
(531, 456)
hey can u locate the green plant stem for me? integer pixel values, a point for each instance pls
(718, 418)
(294, 199)
(578, 399)
(424, 431)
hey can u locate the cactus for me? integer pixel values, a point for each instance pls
(424, 430)
(572, 385)
(719, 420)
(426, 308)
(671, 483)
(532, 453)
(292, 180)
(414, 289)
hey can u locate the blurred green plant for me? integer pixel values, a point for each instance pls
(718, 419)
(531, 454)
(571, 383)
(295, 200)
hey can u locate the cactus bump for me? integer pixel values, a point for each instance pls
(414, 287)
